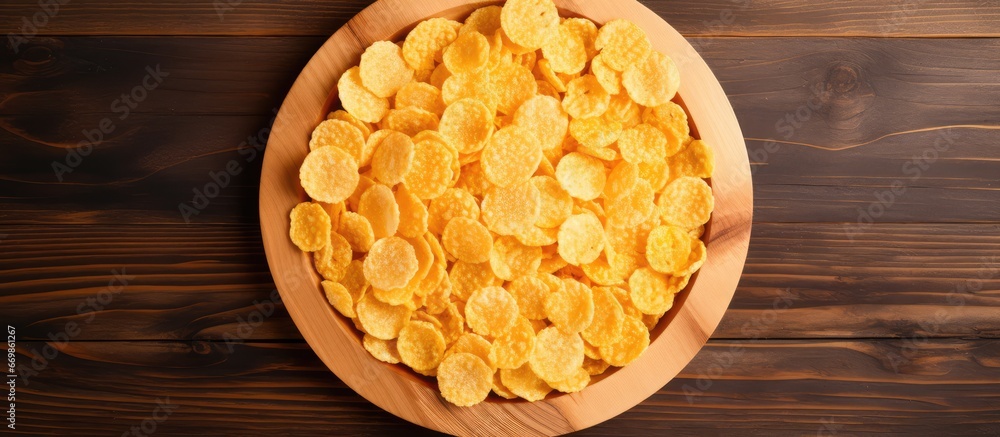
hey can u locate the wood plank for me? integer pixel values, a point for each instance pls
(867, 81)
(801, 281)
(691, 17)
(938, 387)
(888, 105)
(80, 80)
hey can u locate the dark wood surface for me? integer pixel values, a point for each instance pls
(836, 328)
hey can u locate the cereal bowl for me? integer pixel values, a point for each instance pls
(674, 341)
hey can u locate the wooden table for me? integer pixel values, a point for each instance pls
(869, 303)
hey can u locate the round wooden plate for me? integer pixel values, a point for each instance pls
(675, 341)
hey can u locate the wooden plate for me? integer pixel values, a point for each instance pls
(675, 341)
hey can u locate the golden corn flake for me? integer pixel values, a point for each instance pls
(394, 296)
(438, 78)
(668, 249)
(437, 294)
(511, 349)
(586, 30)
(695, 260)
(601, 272)
(594, 366)
(329, 175)
(530, 23)
(380, 319)
(391, 263)
(452, 323)
(467, 240)
(546, 89)
(686, 203)
(652, 82)
(491, 311)
(658, 175)
(510, 258)
(632, 207)
(358, 101)
(581, 239)
(508, 209)
(342, 115)
(339, 298)
(566, 51)
(420, 345)
(570, 309)
(575, 383)
(544, 69)
(610, 79)
(466, 278)
(382, 350)
(556, 204)
(413, 215)
(621, 179)
(464, 379)
(633, 342)
(609, 317)
(431, 172)
(523, 382)
(643, 144)
(378, 205)
(544, 117)
(452, 204)
(310, 228)
(622, 44)
(332, 260)
(383, 70)
(426, 43)
(597, 132)
(411, 120)
(340, 134)
(695, 160)
(538, 237)
(470, 52)
(392, 158)
(475, 344)
(526, 60)
(354, 279)
(420, 95)
(582, 176)
(604, 154)
(371, 144)
(486, 21)
(514, 84)
(364, 183)
(650, 291)
(511, 157)
(624, 110)
(357, 231)
(670, 119)
(467, 125)
(425, 258)
(477, 85)
(557, 355)
(500, 389)
(530, 293)
(586, 98)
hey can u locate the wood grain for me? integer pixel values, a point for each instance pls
(901, 104)
(896, 18)
(800, 281)
(773, 388)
